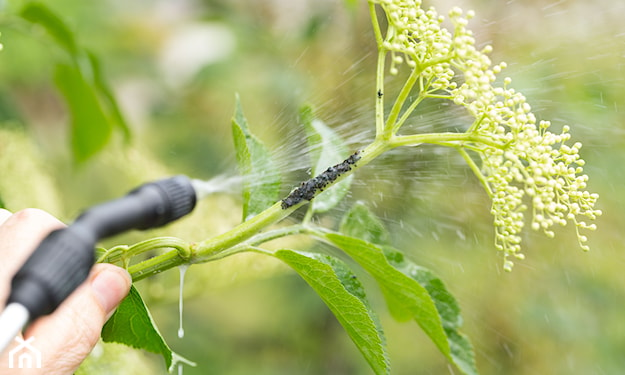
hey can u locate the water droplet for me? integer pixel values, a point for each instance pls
(460, 234)
(183, 270)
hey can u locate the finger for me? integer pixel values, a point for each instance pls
(20, 234)
(67, 336)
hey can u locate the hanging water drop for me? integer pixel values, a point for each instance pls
(183, 270)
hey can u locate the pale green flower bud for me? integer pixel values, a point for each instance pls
(519, 158)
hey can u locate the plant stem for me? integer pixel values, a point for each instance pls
(278, 233)
(242, 231)
(180, 255)
(408, 111)
(476, 171)
(379, 103)
(379, 83)
(391, 123)
(205, 250)
(442, 139)
(155, 265)
(376, 25)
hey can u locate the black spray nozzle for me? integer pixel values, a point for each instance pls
(149, 206)
(64, 258)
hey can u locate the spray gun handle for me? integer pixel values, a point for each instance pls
(63, 259)
(57, 267)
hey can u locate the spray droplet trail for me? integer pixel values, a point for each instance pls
(217, 184)
(183, 270)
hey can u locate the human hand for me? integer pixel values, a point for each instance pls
(65, 337)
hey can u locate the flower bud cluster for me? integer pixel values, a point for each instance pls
(525, 167)
(415, 37)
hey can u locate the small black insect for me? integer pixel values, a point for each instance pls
(309, 188)
(380, 94)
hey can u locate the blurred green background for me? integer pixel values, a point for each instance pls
(175, 67)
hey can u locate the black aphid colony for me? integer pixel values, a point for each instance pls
(309, 188)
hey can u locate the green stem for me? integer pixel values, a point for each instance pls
(442, 139)
(438, 96)
(391, 128)
(277, 233)
(308, 216)
(256, 240)
(379, 85)
(180, 255)
(113, 255)
(182, 247)
(476, 123)
(438, 60)
(408, 111)
(376, 25)
(476, 170)
(210, 249)
(155, 265)
(241, 232)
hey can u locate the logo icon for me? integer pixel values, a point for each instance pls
(26, 354)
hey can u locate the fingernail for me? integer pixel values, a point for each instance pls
(110, 287)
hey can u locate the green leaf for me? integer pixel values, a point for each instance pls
(362, 223)
(462, 354)
(90, 129)
(261, 186)
(82, 85)
(40, 14)
(405, 297)
(132, 325)
(344, 295)
(106, 94)
(327, 149)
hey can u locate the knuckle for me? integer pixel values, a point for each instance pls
(35, 216)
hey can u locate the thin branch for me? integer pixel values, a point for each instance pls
(390, 127)
(407, 112)
(476, 170)
(379, 85)
(443, 139)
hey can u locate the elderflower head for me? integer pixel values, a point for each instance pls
(522, 161)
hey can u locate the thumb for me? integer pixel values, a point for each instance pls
(110, 285)
(67, 336)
